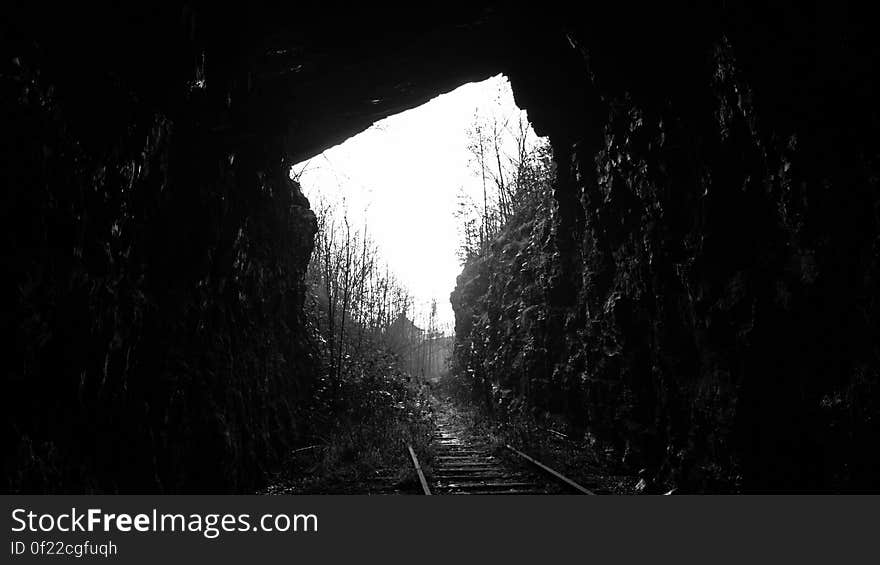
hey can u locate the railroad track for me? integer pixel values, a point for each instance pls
(463, 465)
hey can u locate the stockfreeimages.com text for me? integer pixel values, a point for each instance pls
(209, 525)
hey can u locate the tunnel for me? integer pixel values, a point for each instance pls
(711, 303)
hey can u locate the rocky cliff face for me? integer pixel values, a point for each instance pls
(710, 258)
(153, 292)
(704, 296)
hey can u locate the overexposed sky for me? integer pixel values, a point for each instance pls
(402, 177)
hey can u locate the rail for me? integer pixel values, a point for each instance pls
(418, 467)
(550, 471)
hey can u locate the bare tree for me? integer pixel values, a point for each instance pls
(519, 170)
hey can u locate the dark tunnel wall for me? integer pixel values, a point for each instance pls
(709, 306)
(713, 265)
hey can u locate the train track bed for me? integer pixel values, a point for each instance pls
(470, 457)
(463, 466)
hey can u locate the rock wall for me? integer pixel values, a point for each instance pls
(703, 298)
(152, 292)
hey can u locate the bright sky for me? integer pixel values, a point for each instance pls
(402, 176)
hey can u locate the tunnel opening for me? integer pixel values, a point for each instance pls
(430, 183)
(697, 300)
(402, 208)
